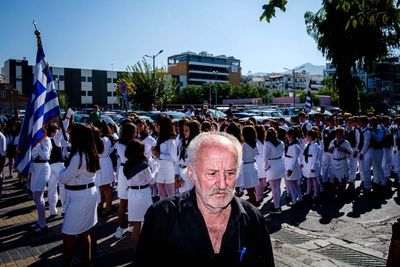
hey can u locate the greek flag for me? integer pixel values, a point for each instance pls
(42, 108)
(307, 107)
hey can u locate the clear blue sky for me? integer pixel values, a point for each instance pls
(95, 34)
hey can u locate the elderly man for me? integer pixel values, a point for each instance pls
(207, 225)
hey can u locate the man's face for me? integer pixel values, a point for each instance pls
(215, 175)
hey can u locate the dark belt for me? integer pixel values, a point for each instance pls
(182, 166)
(340, 159)
(40, 161)
(288, 156)
(139, 186)
(275, 158)
(248, 162)
(79, 187)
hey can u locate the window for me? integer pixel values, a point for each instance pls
(89, 93)
(83, 93)
(89, 79)
(108, 80)
(114, 93)
(83, 79)
(109, 93)
(114, 80)
(61, 77)
(55, 77)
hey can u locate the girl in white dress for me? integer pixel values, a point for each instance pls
(128, 133)
(81, 194)
(166, 154)
(260, 163)
(234, 129)
(40, 173)
(274, 166)
(292, 166)
(250, 173)
(190, 130)
(139, 177)
(105, 177)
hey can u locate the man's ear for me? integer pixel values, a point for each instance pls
(190, 172)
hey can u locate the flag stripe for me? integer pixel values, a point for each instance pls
(41, 109)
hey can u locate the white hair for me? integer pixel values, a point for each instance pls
(209, 138)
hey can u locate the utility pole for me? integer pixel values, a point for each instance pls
(154, 89)
(294, 88)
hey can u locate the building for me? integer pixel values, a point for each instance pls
(191, 68)
(83, 87)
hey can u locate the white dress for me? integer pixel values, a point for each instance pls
(250, 173)
(168, 158)
(40, 172)
(339, 163)
(274, 163)
(122, 186)
(106, 173)
(139, 200)
(292, 162)
(181, 170)
(260, 160)
(80, 206)
(314, 157)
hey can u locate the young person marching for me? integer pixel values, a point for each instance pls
(139, 176)
(292, 166)
(341, 150)
(190, 130)
(274, 166)
(352, 134)
(250, 150)
(311, 163)
(260, 163)
(387, 143)
(328, 134)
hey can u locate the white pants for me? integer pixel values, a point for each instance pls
(352, 168)
(52, 195)
(366, 165)
(326, 174)
(379, 176)
(387, 162)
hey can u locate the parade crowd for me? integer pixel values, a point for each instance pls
(82, 164)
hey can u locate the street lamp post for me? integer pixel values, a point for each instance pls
(216, 90)
(294, 88)
(154, 75)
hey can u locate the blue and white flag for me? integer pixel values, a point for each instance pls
(42, 108)
(307, 107)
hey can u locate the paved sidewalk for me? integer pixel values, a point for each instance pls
(292, 245)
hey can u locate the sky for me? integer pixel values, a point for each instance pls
(110, 35)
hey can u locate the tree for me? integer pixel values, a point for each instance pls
(63, 100)
(139, 84)
(350, 33)
(329, 88)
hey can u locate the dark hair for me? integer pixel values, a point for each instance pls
(234, 129)
(272, 134)
(127, 133)
(182, 122)
(134, 152)
(250, 135)
(313, 134)
(205, 125)
(51, 128)
(260, 133)
(105, 130)
(194, 128)
(82, 142)
(166, 129)
(292, 132)
(98, 141)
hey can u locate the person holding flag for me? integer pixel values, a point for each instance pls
(33, 149)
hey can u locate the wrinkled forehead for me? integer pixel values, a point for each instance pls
(217, 146)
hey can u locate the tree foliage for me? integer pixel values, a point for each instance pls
(63, 100)
(143, 91)
(351, 33)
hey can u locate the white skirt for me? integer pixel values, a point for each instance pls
(106, 173)
(250, 175)
(80, 211)
(139, 200)
(166, 173)
(188, 185)
(276, 169)
(40, 174)
(122, 187)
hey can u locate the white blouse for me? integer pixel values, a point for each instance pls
(73, 175)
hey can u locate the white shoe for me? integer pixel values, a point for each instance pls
(129, 228)
(119, 233)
